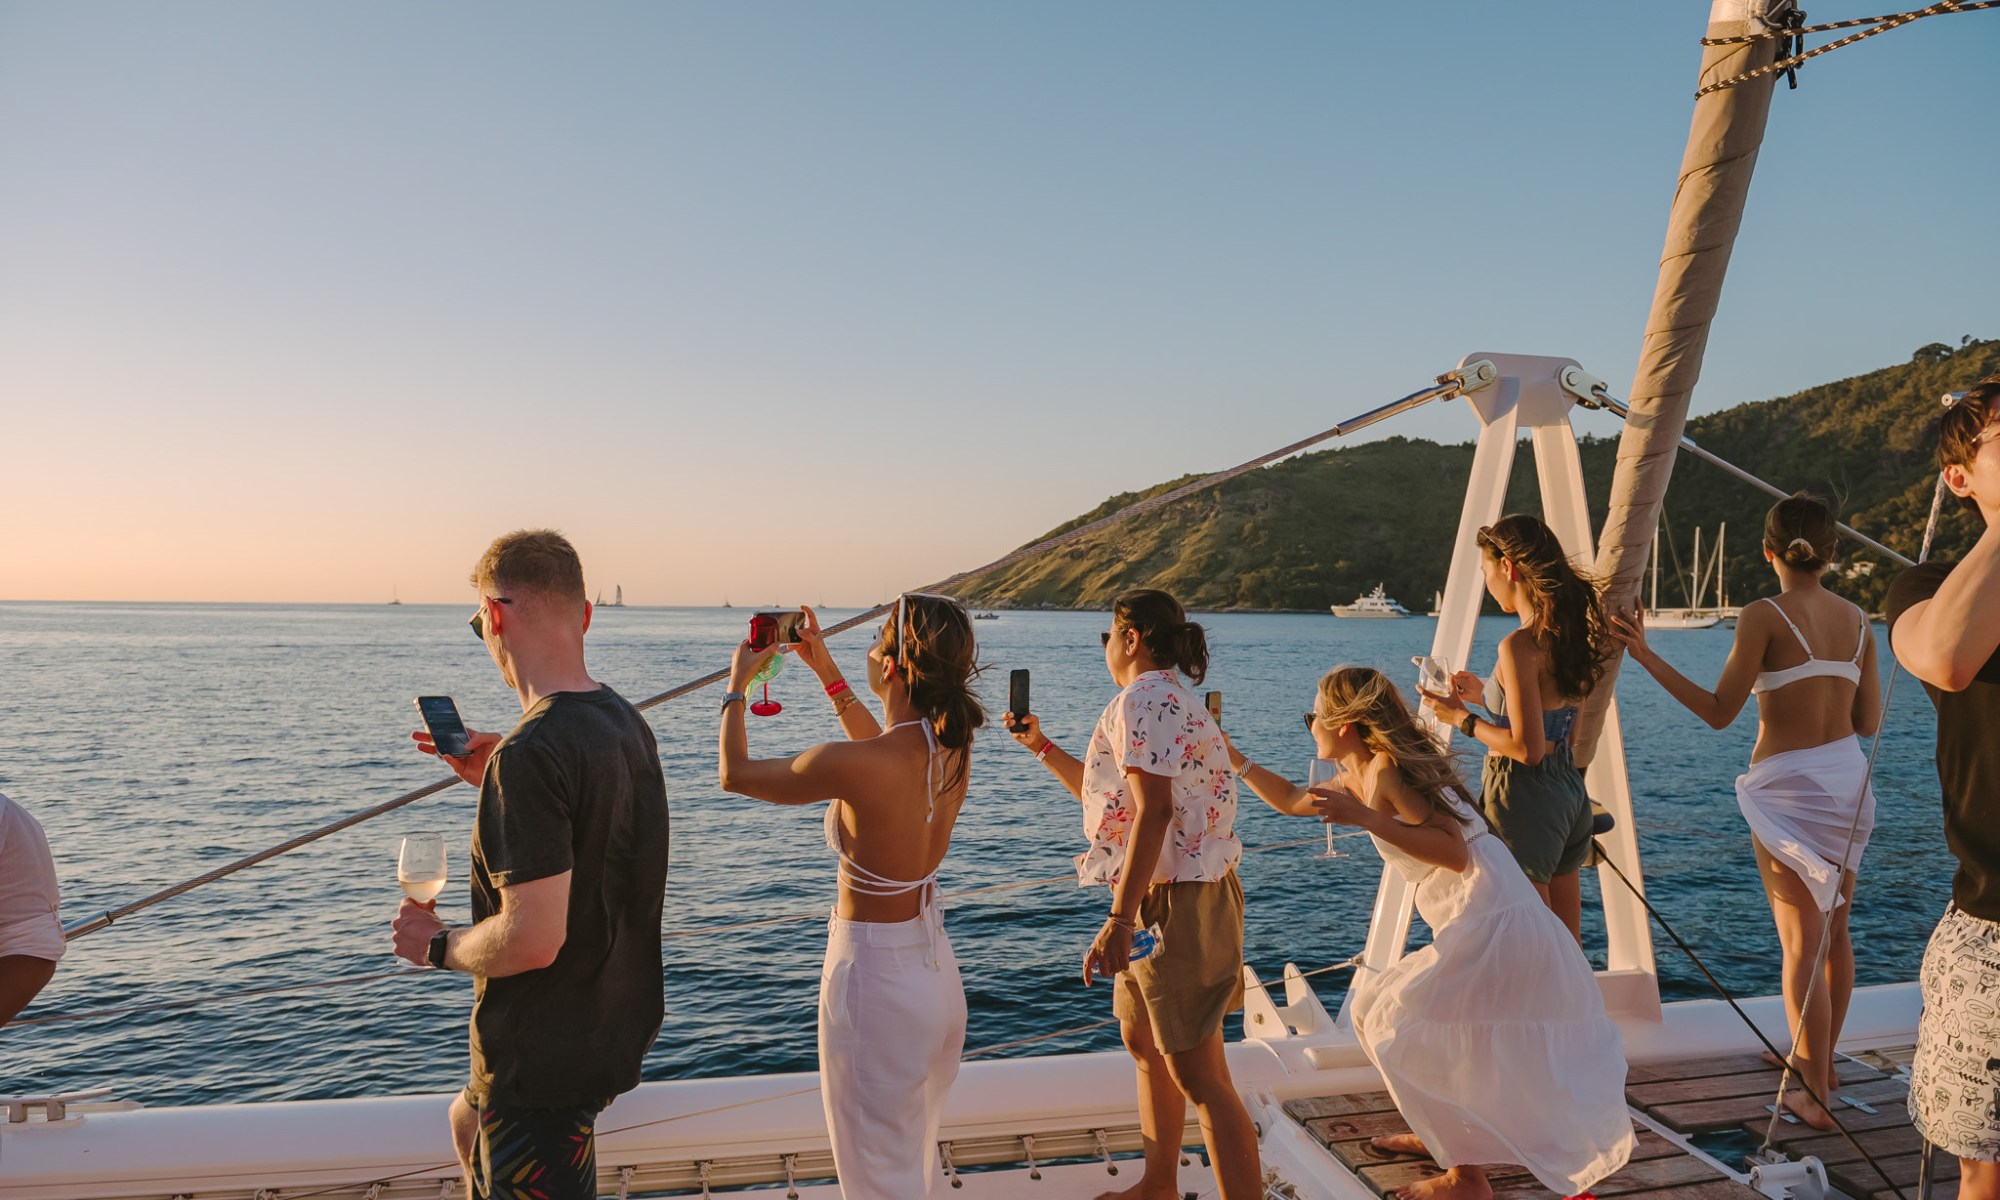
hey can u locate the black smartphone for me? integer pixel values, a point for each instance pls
(1214, 702)
(1017, 699)
(779, 628)
(448, 734)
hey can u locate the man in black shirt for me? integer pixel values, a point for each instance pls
(1944, 623)
(569, 868)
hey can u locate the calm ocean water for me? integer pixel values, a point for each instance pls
(156, 741)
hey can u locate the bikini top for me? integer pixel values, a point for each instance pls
(1811, 668)
(859, 878)
(1556, 722)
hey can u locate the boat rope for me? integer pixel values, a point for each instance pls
(1791, 62)
(1853, 831)
(1618, 408)
(1447, 385)
(1604, 858)
(374, 976)
(1850, 23)
(774, 1097)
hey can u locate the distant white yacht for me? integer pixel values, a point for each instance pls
(1375, 604)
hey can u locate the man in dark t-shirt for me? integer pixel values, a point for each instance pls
(1944, 624)
(569, 868)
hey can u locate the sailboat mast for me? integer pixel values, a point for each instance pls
(1655, 605)
(1723, 139)
(1699, 570)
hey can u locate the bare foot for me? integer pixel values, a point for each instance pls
(1143, 1191)
(1801, 1105)
(1772, 1060)
(1400, 1143)
(1459, 1183)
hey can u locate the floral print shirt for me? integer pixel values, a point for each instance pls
(1158, 726)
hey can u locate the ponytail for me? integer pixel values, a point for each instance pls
(939, 664)
(1170, 638)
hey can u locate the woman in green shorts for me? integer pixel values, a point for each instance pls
(1530, 787)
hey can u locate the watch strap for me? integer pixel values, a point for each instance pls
(1468, 725)
(440, 943)
(730, 698)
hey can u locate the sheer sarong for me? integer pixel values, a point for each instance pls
(1800, 805)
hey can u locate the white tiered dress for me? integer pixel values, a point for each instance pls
(1493, 1039)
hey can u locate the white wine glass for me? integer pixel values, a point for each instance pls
(420, 868)
(1323, 772)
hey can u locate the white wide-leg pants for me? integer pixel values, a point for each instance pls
(891, 1030)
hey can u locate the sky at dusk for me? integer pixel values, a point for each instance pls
(787, 302)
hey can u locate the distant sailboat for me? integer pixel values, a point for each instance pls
(617, 598)
(394, 598)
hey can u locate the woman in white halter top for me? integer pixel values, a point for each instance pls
(1493, 1039)
(891, 1006)
(1809, 658)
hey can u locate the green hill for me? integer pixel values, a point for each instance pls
(1322, 528)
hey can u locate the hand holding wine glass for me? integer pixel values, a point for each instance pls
(1320, 774)
(420, 868)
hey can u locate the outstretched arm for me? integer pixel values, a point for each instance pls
(1732, 690)
(1067, 769)
(1272, 788)
(1947, 639)
(856, 721)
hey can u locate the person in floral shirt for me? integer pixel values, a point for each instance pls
(1159, 809)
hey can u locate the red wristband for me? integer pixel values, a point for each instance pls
(835, 688)
(1043, 753)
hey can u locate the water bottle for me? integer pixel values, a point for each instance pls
(1146, 943)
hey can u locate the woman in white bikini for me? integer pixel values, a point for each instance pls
(1809, 658)
(891, 1006)
(1492, 1039)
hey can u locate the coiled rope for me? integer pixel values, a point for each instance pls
(1447, 385)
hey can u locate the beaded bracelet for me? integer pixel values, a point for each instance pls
(835, 688)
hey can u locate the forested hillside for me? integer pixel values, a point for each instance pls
(1324, 527)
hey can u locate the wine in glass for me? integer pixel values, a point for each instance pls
(420, 867)
(1323, 772)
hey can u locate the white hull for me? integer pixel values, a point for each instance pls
(1680, 618)
(1367, 614)
(746, 1127)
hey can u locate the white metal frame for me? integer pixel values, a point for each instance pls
(1527, 393)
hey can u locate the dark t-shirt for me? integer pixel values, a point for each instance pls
(575, 787)
(1968, 759)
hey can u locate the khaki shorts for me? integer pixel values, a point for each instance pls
(1196, 977)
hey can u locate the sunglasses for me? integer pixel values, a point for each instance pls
(478, 621)
(1310, 718)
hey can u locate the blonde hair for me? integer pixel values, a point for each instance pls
(1364, 697)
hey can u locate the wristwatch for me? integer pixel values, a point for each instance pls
(440, 942)
(730, 698)
(1466, 726)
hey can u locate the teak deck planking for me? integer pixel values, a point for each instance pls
(1698, 1096)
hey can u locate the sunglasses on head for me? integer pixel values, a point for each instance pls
(478, 621)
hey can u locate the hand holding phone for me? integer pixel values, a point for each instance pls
(448, 733)
(1017, 700)
(775, 628)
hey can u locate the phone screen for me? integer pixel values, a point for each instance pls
(448, 734)
(781, 628)
(1214, 701)
(789, 625)
(1017, 699)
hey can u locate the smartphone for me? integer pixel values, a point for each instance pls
(1433, 674)
(775, 628)
(1214, 702)
(448, 734)
(1017, 699)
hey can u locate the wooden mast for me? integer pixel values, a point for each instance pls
(1723, 140)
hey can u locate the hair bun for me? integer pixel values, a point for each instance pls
(1799, 541)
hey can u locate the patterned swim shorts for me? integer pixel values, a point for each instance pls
(535, 1154)
(1955, 1080)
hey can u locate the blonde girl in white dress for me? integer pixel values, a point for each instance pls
(1493, 1039)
